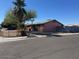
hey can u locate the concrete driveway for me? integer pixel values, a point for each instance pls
(60, 47)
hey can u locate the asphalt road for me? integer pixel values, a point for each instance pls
(65, 47)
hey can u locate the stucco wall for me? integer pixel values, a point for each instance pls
(10, 33)
(51, 26)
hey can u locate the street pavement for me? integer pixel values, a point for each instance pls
(51, 47)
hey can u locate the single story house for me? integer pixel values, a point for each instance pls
(72, 28)
(49, 26)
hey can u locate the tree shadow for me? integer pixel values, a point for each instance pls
(51, 35)
(57, 35)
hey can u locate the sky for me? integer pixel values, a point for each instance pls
(65, 11)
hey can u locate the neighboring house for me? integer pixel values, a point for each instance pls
(72, 28)
(50, 26)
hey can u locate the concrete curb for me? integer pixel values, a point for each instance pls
(66, 33)
(10, 39)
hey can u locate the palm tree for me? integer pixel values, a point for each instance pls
(21, 13)
(31, 15)
(19, 10)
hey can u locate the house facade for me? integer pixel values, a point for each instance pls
(50, 26)
(72, 28)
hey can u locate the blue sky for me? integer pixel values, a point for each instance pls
(65, 11)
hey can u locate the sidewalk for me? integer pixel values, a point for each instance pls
(10, 39)
(6, 39)
(60, 34)
(66, 33)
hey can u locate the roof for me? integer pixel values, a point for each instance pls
(46, 22)
(70, 25)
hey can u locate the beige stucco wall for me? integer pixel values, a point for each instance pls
(10, 33)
